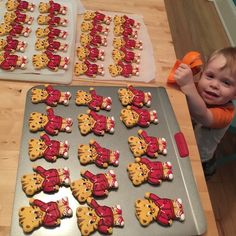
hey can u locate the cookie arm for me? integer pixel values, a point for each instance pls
(43, 206)
(45, 138)
(88, 175)
(163, 218)
(93, 204)
(40, 170)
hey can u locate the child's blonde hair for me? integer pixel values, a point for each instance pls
(230, 55)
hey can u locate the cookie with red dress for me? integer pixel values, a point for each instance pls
(18, 17)
(14, 29)
(47, 148)
(94, 28)
(123, 69)
(11, 44)
(47, 214)
(89, 69)
(125, 21)
(11, 62)
(50, 44)
(125, 31)
(96, 185)
(50, 96)
(125, 55)
(46, 180)
(93, 40)
(162, 210)
(99, 218)
(100, 155)
(97, 17)
(90, 53)
(21, 5)
(52, 20)
(51, 32)
(129, 43)
(52, 7)
(154, 172)
(93, 100)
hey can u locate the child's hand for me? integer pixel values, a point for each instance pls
(184, 77)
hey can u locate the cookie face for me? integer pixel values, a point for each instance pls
(130, 118)
(37, 121)
(138, 173)
(137, 146)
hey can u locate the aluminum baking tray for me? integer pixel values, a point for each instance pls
(183, 185)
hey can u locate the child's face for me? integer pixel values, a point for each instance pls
(217, 86)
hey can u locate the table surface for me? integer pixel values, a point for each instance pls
(13, 94)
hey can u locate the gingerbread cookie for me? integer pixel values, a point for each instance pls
(143, 170)
(51, 32)
(125, 31)
(125, 55)
(88, 69)
(44, 180)
(122, 69)
(134, 96)
(47, 148)
(20, 5)
(95, 153)
(14, 29)
(51, 61)
(161, 210)
(10, 44)
(90, 53)
(129, 43)
(98, 218)
(93, 100)
(50, 45)
(97, 17)
(11, 62)
(52, 20)
(145, 144)
(52, 7)
(49, 122)
(93, 185)
(93, 40)
(94, 28)
(47, 214)
(50, 96)
(132, 116)
(125, 21)
(18, 17)
(98, 124)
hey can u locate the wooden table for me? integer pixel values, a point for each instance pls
(12, 102)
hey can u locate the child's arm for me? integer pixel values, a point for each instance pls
(197, 107)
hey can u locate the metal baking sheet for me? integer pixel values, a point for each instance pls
(183, 185)
(45, 75)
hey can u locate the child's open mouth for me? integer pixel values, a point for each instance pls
(211, 94)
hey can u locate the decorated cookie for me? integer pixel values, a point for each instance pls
(44, 180)
(125, 55)
(93, 185)
(51, 61)
(11, 44)
(47, 214)
(97, 17)
(143, 170)
(87, 68)
(49, 122)
(51, 32)
(94, 28)
(161, 210)
(145, 144)
(98, 124)
(93, 40)
(50, 96)
(18, 17)
(132, 116)
(90, 53)
(134, 96)
(14, 30)
(20, 5)
(120, 42)
(52, 20)
(95, 153)
(125, 31)
(52, 7)
(122, 69)
(50, 45)
(98, 218)
(12, 61)
(47, 148)
(125, 21)
(93, 100)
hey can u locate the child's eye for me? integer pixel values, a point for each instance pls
(226, 82)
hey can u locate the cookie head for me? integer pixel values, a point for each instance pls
(41, 32)
(82, 53)
(36, 148)
(118, 20)
(31, 183)
(86, 154)
(30, 218)
(125, 96)
(138, 173)
(83, 97)
(3, 43)
(114, 70)
(4, 29)
(89, 15)
(82, 189)
(86, 26)
(87, 220)
(43, 19)
(11, 5)
(85, 39)
(80, 68)
(38, 95)
(146, 211)
(86, 123)
(118, 42)
(41, 44)
(37, 121)
(40, 61)
(43, 7)
(9, 17)
(129, 117)
(117, 55)
(137, 146)
(118, 30)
